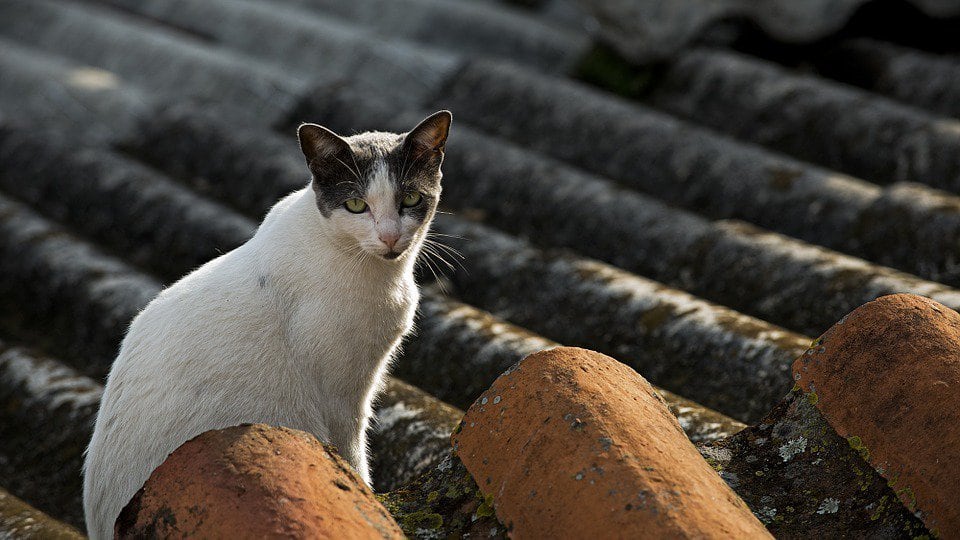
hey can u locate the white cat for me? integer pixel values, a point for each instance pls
(295, 328)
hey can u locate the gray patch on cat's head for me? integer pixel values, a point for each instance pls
(342, 167)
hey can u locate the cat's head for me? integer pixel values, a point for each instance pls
(378, 191)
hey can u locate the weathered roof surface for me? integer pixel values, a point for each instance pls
(650, 29)
(741, 196)
(929, 81)
(890, 393)
(20, 520)
(820, 121)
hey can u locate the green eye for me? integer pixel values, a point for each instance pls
(411, 199)
(357, 206)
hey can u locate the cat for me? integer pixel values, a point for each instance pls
(296, 327)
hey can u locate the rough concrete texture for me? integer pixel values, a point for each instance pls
(255, 481)
(802, 480)
(679, 163)
(312, 46)
(594, 453)
(646, 30)
(914, 228)
(702, 425)
(485, 346)
(19, 520)
(46, 416)
(410, 434)
(69, 291)
(38, 89)
(655, 153)
(468, 27)
(247, 168)
(919, 78)
(170, 64)
(728, 361)
(123, 204)
(885, 377)
(772, 271)
(787, 282)
(833, 124)
(649, 30)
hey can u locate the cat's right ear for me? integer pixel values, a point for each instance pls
(320, 145)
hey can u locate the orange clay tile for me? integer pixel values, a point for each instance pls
(573, 444)
(887, 377)
(255, 481)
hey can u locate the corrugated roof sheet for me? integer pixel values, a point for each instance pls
(645, 30)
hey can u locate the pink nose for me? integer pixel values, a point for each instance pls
(389, 239)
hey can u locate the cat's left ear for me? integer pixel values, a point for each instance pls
(430, 136)
(319, 144)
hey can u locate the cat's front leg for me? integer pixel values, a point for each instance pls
(363, 465)
(350, 439)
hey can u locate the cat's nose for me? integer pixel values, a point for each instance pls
(389, 239)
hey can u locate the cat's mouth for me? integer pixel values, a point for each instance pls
(391, 255)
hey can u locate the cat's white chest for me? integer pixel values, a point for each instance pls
(356, 324)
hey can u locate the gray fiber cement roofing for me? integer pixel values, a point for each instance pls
(646, 29)
(701, 230)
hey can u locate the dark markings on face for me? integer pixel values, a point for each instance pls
(343, 168)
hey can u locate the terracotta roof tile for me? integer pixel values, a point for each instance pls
(255, 481)
(885, 377)
(571, 443)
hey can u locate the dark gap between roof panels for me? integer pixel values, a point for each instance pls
(895, 21)
(152, 21)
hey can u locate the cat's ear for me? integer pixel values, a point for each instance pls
(319, 144)
(430, 136)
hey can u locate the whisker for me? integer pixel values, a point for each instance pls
(356, 174)
(446, 249)
(458, 257)
(403, 173)
(429, 265)
(349, 183)
(449, 264)
(432, 233)
(355, 166)
(445, 262)
(439, 256)
(403, 165)
(434, 242)
(432, 252)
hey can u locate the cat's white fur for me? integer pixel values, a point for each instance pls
(293, 328)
